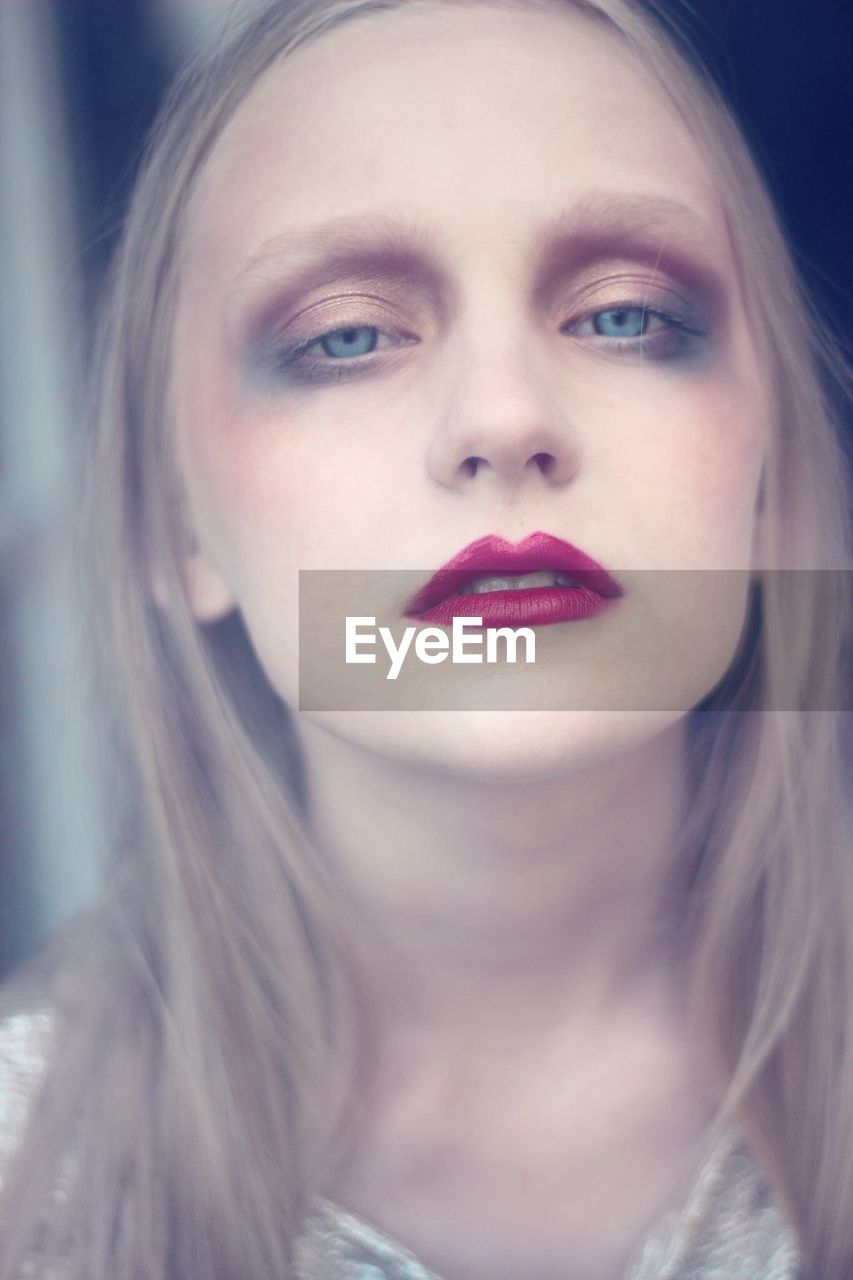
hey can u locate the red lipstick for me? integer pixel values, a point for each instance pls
(590, 591)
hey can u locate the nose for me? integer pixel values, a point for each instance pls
(501, 414)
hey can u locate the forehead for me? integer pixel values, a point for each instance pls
(477, 121)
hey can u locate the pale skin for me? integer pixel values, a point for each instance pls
(539, 1105)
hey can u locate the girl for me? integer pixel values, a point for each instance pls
(525, 977)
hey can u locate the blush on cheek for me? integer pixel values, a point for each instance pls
(730, 447)
(688, 463)
(269, 487)
(721, 475)
(232, 461)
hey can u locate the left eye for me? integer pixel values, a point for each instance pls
(622, 322)
(634, 328)
(630, 321)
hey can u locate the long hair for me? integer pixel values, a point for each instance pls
(210, 1036)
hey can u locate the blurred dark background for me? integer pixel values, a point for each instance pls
(82, 80)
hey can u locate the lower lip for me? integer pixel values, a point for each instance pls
(526, 607)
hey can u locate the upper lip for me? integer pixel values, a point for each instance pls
(494, 555)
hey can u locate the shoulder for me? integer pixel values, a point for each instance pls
(25, 1040)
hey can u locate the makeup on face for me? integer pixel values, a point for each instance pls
(406, 329)
(632, 274)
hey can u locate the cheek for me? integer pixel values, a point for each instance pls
(291, 503)
(689, 469)
(254, 479)
(690, 489)
(259, 502)
(271, 500)
(304, 486)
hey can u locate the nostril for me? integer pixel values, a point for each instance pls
(472, 464)
(545, 461)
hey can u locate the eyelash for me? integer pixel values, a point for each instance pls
(677, 339)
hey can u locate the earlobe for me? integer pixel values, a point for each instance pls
(208, 594)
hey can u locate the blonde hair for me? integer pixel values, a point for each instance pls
(210, 1024)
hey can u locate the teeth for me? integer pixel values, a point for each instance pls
(543, 578)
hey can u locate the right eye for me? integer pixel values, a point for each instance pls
(349, 342)
(348, 348)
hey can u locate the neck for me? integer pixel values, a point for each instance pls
(490, 912)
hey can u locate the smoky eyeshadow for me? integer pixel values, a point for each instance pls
(687, 275)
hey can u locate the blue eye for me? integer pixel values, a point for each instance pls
(621, 322)
(634, 329)
(350, 342)
(624, 330)
(338, 352)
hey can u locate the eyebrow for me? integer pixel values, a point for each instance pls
(659, 231)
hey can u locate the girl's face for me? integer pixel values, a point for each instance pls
(484, 200)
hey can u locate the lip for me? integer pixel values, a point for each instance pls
(439, 599)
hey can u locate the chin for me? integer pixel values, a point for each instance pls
(496, 746)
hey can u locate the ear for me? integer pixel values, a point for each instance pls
(209, 595)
